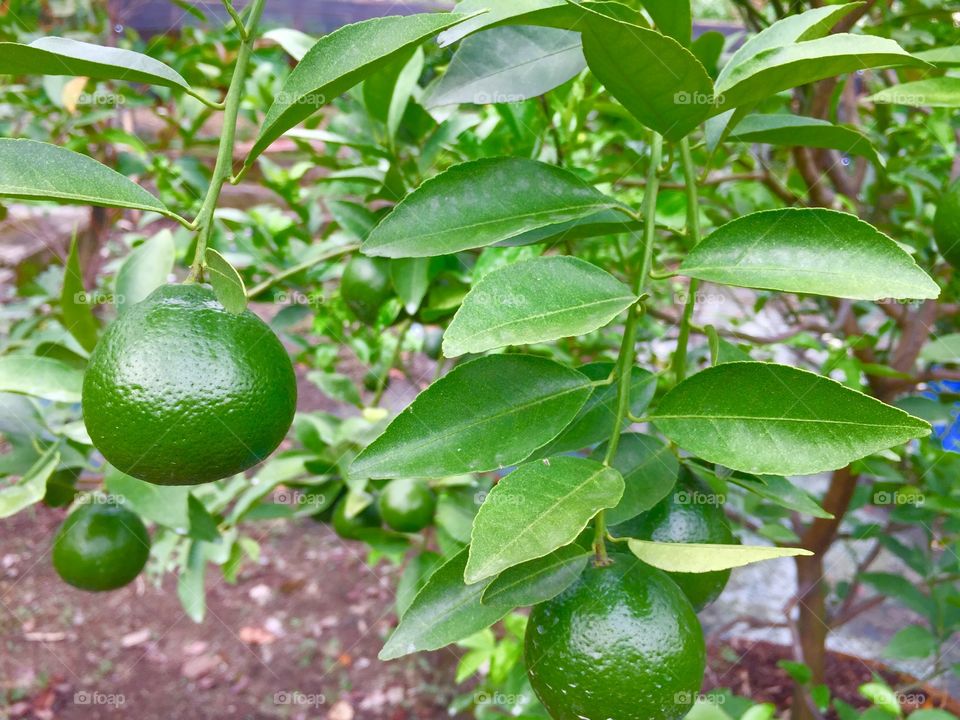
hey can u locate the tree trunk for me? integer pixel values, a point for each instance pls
(812, 629)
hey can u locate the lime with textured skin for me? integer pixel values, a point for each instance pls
(366, 286)
(946, 225)
(100, 547)
(354, 528)
(622, 642)
(407, 505)
(180, 392)
(692, 513)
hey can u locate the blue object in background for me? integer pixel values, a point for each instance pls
(948, 433)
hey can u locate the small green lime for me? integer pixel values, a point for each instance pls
(354, 528)
(407, 505)
(100, 546)
(366, 286)
(622, 642)
(692, 513)
(946, 225)
(179, 391)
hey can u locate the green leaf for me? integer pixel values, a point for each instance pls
(703, 557)
(649, 469)
(75, 306)
(672, 96)
(339, 61)
(226, 281)
(295, 43)
(190, 583)
(484, 415)
(775, 419)
(672, 17)
(411, 280)
(913, 641)
(809, 25)
(145, 269)
(594, 422)
(203, 526)
(482, 202)
(32, 170)
(40, 377)
(444, 611)
(772, 71)
(932, 92)
(387, 92)
(948, 56)
(508, 64)
(535, 301)
(162, 504)
(944, 349)
(539, 580)
(782, 492)
(798, 130)
(62, 56)
(547, 503)
(809, 250)
(31, 488)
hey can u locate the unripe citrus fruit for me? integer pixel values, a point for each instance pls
(100, 547)
(366, 286)
(407, 505)
(622, 642)
(354, 528)
(946, 225)
(179, 392)
(692, 513)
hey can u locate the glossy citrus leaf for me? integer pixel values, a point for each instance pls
(944, 349)
(672, 17)
(535, 301)
(649, 469)
(61, 175)
(703, 557)
(445, 610)
(948, 56)
(63, 56)
(797, 130)
(411, 280)
(226, 281)
(30, 488)
(810, 25)
(594, 422)
(782, 492)
(387, 92)
(547, 503)
(163, 504)
(539, 580)
(482, 202)
(484, 415)
(508, 64)
(294, 42)
(191, 580)
(147, 267)
(780, 420)
(339, 61)
(772, 71)
(605, 222)
(75, 306)
(932, 92)
(672, 96)
(809, 250)
(40, 377)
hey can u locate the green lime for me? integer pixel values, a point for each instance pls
(181, 392)
(946, 225)
(622, 642)
(100, 546)
(407, 505)
(354, 528)
(692, 513)
(366, 286)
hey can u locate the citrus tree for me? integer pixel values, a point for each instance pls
(555, 206)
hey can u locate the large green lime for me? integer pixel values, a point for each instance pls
(180, 392)
(692, 513)
(355, 527)
(623, 642)
(366, 286)
(100, 547)
(946, 225)
(407, 505)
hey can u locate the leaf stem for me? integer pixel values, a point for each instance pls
(236, 19)
(627, 355)
(224, 165)
(262, 287)
(382, 382)
(693, 232)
